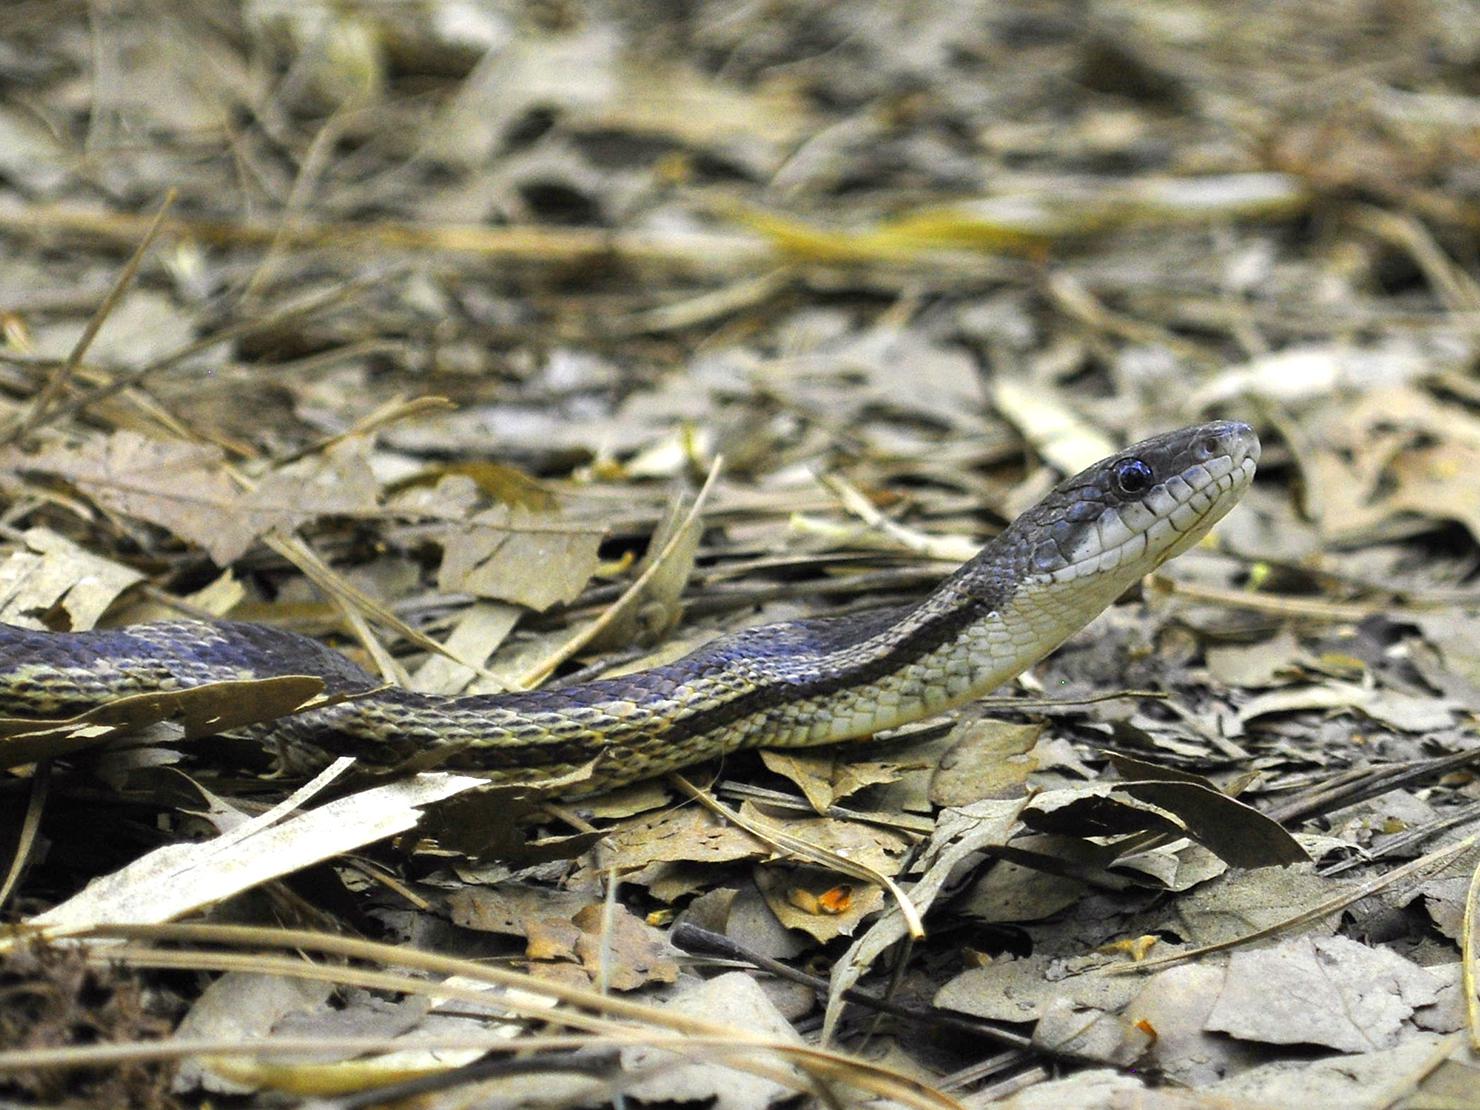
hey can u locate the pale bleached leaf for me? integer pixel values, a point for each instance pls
(180, 878)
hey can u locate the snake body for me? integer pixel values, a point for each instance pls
(792, 684)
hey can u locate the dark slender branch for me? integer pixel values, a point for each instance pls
(702, 942)
(1347, 790)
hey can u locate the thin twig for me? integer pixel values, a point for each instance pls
(699, 941)
(57, 382)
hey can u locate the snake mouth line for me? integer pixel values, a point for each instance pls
(1222, 501)
(1152, 532)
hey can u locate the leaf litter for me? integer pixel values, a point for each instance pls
(505, 348)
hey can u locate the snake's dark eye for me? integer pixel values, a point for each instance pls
(1133, 477)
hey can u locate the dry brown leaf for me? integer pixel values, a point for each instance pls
(243, 1004)
(1392, 452)
(1174, 1004)
(181, 487)
(337, 482)
(490, 825)
(1329, 991)
(687, 833)
(1023, 990)
(1068, 1029)
(1009, 892)
(1244, 902)
(828, 778)
(861, 843)
(54, 573)
(185, 488)
(513, 555)
(989, 759)
(736, 999)
(602, 944)
(511, 908)
(1441, 482)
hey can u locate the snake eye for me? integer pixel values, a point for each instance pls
(1133, 477)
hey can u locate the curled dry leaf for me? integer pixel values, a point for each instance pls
(811, 900)
(1403, 711)
(200, 710)
(1233, 831)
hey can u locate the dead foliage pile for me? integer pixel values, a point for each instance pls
(503, 345)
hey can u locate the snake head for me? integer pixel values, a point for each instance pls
(1124, 516)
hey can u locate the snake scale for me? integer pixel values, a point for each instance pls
(791, 684)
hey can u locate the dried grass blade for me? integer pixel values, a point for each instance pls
(542, 669)
(41, 406)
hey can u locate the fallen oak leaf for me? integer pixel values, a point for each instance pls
(180, 487)
(186, 488)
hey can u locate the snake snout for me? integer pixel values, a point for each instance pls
(1231, 438)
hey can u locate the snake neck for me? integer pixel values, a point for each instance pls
(794, 684)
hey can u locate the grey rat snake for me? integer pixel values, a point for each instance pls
(791, 684)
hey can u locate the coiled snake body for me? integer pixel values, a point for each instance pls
(791, 684)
